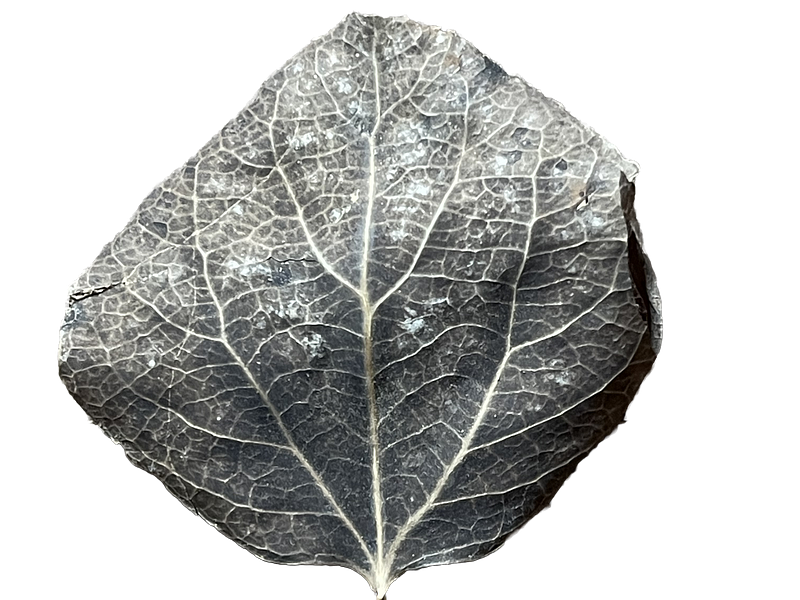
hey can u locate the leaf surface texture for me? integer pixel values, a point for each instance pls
(381, 316)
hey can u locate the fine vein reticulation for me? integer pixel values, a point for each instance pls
(381, 316)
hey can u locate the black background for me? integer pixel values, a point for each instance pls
(139, 103)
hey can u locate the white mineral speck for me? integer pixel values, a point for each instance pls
(398, 235)
(564, 378)
(313, 344)
(413, 325)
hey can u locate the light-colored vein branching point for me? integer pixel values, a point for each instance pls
(381, 316)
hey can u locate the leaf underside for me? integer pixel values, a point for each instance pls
(381, 316)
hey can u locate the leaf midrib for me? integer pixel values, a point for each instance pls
(369, 311)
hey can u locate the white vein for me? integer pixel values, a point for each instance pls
(423, 242)
(467, 440)
(262, 393)
(377, 500)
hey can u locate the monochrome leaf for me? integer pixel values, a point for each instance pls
(381, 316)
